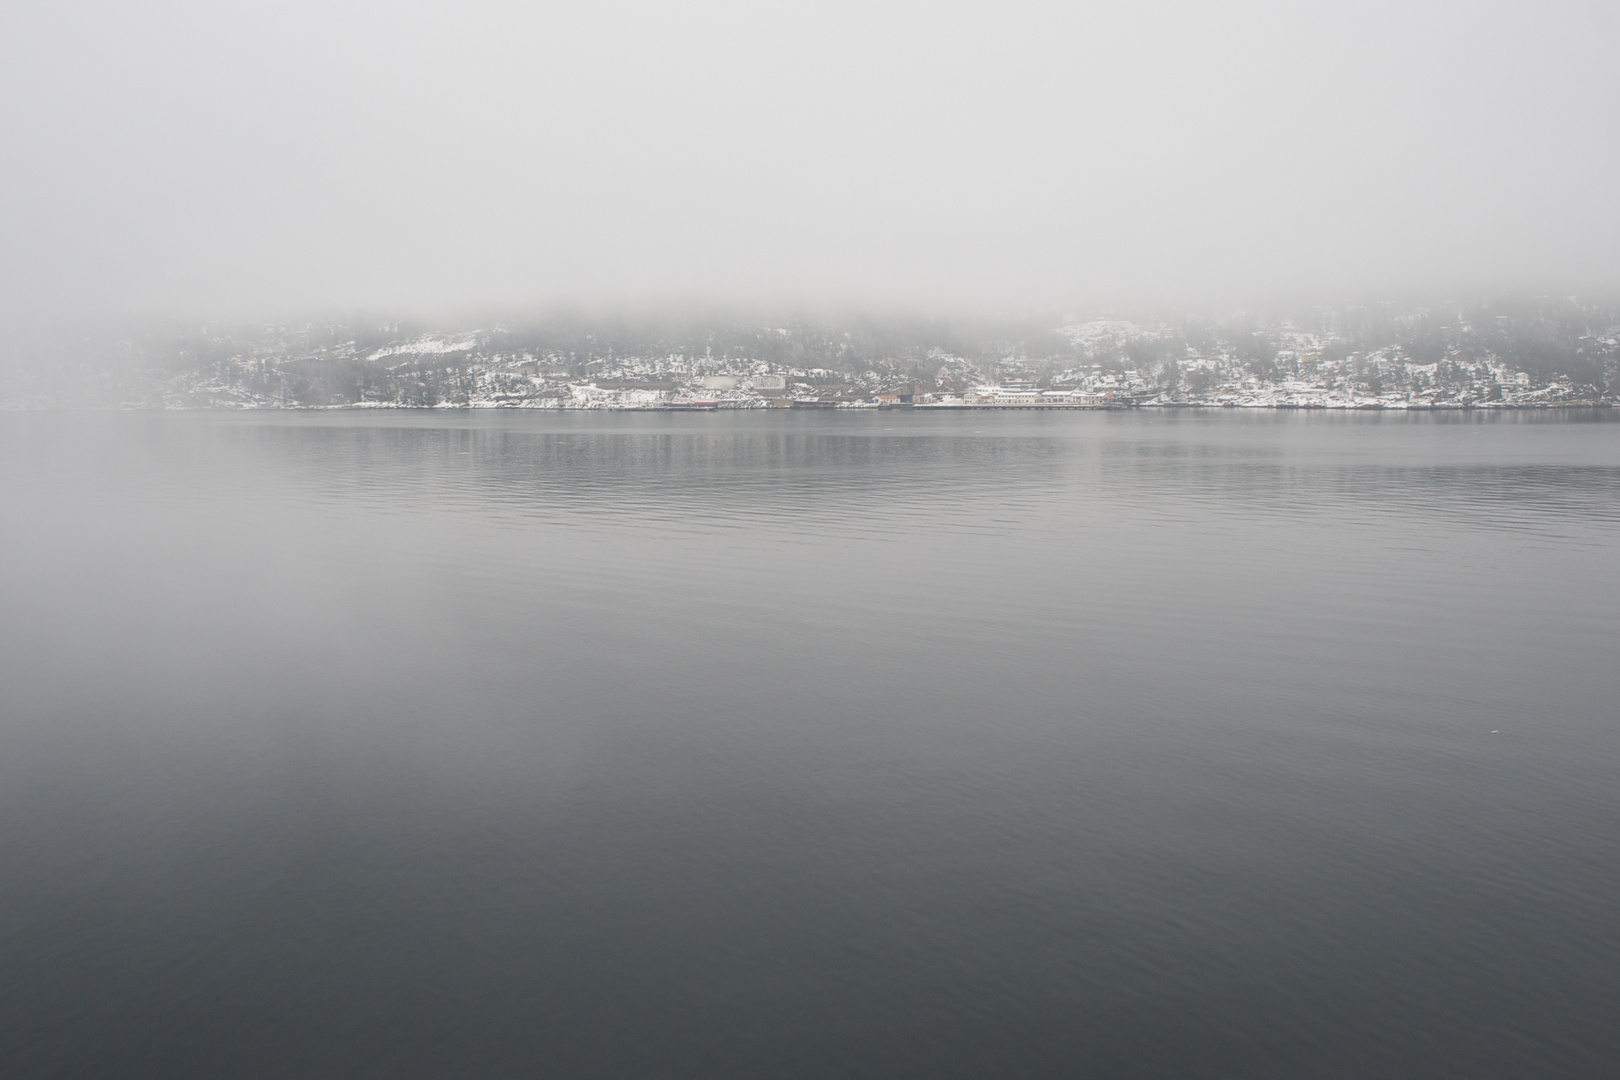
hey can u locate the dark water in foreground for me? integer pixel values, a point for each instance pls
(1158, 745)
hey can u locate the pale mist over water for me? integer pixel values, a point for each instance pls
(869, 743)
(795, 540)
(257, 159)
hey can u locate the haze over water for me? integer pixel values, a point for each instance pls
(1155, 744)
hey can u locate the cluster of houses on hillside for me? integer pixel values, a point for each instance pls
(1092, 365)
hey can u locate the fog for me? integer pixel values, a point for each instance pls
(241, 159)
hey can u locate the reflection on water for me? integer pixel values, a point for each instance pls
(501, 744)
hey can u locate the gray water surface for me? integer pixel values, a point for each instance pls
(888, 744)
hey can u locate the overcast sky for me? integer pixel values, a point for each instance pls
(252, 158)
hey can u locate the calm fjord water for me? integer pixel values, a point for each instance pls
(801, 745)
